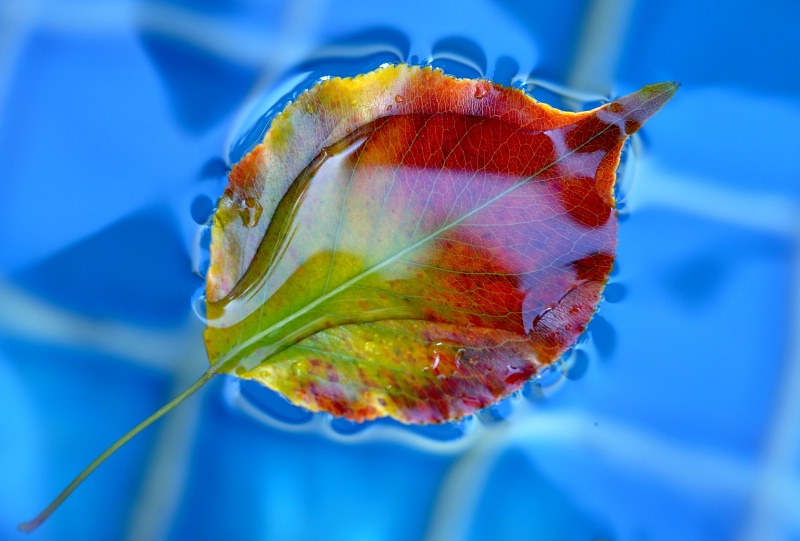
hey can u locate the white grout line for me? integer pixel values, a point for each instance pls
(16, 21)
(161, 491)
(767, 518)
(236, 44)
(765, 212)
(696, 473)
(773, 503)
(776, 491)
(28, 317)
(158, 501)
(600, 45)
(462, 487)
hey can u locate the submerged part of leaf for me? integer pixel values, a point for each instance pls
(408, 244)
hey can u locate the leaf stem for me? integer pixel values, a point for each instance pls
(31, 525)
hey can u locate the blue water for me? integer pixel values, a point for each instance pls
(676, 417)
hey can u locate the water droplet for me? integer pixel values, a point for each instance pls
(353, 102)
(515, 375)
(445, 358)
(369, 346)
(310, 108)
(549, 375)
(250, 212)
(388, 387)
(201, 252)
(389, 107)
(300, 368)
(240, 371)
(460, 355)
(199, 304)
(481, 90)
(399, 99)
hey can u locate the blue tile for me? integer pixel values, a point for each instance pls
(136, 271)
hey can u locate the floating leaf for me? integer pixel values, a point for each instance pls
(411, 245)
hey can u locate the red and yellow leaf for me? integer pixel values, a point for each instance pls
(411, 245)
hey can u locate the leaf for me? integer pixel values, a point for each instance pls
(408, 244)
(411, 245)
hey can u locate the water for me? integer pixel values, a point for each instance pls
(674, 418)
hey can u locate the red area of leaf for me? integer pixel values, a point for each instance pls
(595, 267)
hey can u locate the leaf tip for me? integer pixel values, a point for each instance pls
(640, 106)
(655, 96)
(663, 91)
